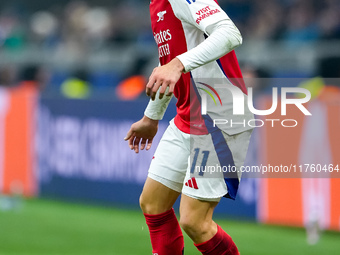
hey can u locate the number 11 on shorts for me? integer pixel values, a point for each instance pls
(203, 164)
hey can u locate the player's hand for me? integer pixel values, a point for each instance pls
(142, 133)
(163, 77)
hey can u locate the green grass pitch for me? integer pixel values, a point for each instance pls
(44, 227)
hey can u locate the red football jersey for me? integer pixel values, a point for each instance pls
(178, 26)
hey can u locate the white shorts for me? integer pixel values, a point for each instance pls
(204, 167)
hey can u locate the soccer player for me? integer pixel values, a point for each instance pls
(196, 40)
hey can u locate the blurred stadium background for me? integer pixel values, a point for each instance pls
(72, 78)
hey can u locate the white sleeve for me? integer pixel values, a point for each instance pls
(156, 109)
(207, 15)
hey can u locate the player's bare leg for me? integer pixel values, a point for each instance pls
(157, 198)
(156, 202)
(196, 221)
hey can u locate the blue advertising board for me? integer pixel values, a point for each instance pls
(82, 155)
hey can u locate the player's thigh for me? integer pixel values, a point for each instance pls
(170, 161)
(167, 171)
(156, 198)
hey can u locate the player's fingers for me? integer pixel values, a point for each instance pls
(142, 144)
(150, 85)
(131, 142)
(171, 89)
(136, 144)
(128, 135)
(149, 144)
(155, 89)
(163, 89)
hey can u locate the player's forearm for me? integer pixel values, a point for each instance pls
(224, 38)
(156, 108)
